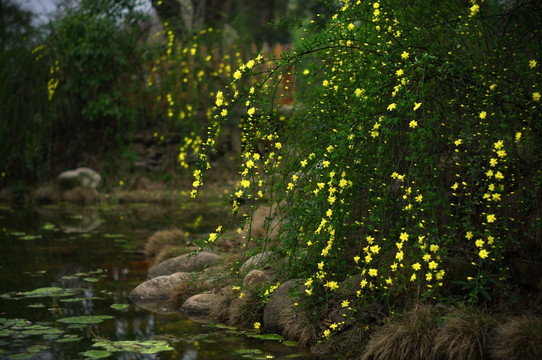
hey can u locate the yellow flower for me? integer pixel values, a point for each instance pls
(375, 249)
(419, 198)
(392, 106)
(413, 124)
(373, 272)
(479, 243)
(428, 276)
(237, 75)
(358, 92)
(257, 325)
(345, 303)
(536, 96)
(483, 115)
(351, 26)
(518, 136)
(468, 235)
(245, 183)
(399, 72)
(491, 218)
(403, 236)
(404, 55)
(432, 265)
(251, 111)
(212, 237)
(219, 98)
(416, 266)
(458, 142)
(332, 285)
(250, 64)
(278, 145)
(416, 106)
(413, 277)
(483, 253)
(306, 72)
(532, 64)
(474, 10)
(224, 112)
(493, 162)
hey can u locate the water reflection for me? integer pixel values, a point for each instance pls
(97, 252)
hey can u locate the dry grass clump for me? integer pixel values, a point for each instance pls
(465, 336)
(196, 285)
(220, 311)
(298, 326)
(164, 240)
(246, 309)
(518, 339)
(410, 338)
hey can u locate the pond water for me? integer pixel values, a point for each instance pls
(65, 276)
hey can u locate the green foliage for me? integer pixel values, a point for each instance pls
(416, 138)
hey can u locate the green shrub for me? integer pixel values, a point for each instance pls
(416, 137)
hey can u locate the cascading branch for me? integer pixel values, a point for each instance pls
(415, 138)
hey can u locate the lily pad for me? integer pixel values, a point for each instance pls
(267, 336)
(290, 343)
(143, 347)
(69, 338)
(120, 306)
(96, 354)
(31, 237)
(45, 292)
(69, 277)
(91, 279)
(85, 319)
(48, 226)
(20, 356)
(78, 299)
(35, 306)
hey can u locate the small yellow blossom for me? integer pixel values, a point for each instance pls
(345, 303)
(245, 183)
(536, 96)
(399, 72)
(468, 235)
(404, 55)
(532, 64)
(416, 266)
(413, 124)
(251, 111)
(237, 75)
(483, 253)
(483, 115)
(351, 26)
(373, 272)
(416, 106)
(474, 10)
(392, 106)
(257, 325)
(491, 218)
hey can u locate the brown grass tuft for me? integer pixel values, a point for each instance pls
(410, 338)
(464, 336)
(160, 239)
(518, 339)
(245, 311)
(297, 325)
(221, 309)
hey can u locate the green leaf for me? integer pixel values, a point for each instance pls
(120, 306)
(85, 319)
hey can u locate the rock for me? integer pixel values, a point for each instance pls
(184, 263)
(158, 288)
(256, 260)
(255, 276)
(280, 302)
(84, 177)
(199, 305)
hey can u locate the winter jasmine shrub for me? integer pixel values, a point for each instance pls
(414, 143)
